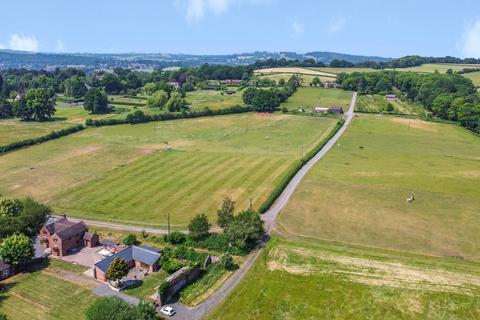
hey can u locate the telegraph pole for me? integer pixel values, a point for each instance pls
(168, 219)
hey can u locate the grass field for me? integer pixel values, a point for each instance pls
(215, 100)
(294, 70)
(45, 294)
(375, 103)
(142, 172)
(305, 279)
(309, 97)
(342, 70)
(358, 192)
(474, 76)
(12, 130)
(306, 79)
(440, 67)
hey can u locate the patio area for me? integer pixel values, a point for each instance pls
(85, 256)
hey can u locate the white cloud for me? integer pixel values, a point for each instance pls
(337, 25)
(298, 27)
(2, 46)
(60, 46)
(471, 41)
(196, 10)
(22, 42)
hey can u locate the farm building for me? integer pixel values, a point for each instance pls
(320, 110)
(62, 236)
(136, 257)
(230, 92)
(391, 97)
(338, 110)
(234, 82)
(6, 270)
(329, 84)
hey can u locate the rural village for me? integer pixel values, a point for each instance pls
(261, 185)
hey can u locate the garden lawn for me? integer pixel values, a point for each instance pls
(42, 295)
(214, 99)
(305, 279)
(147, 286)
(140, 173)
(358, 192)
(310, 97)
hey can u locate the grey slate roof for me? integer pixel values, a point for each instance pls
(88, 235)
(63, 228)
(108, 243)
(130, 253)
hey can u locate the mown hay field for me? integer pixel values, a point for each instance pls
(140, 173)
(46, 294)
(306, 279)
(310, 97)
(358, 192)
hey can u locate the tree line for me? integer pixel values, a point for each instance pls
(447, 96)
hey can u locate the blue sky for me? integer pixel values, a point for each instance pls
(369, 27)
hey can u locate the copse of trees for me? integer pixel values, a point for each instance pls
(158, 99)
(96, 101)
(75, 87)
(447, 96)
(24, 216)
(38, 105)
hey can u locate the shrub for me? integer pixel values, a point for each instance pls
(171, 265)
(163, 288)
(130, 240)
(175, 237)
(227, 262)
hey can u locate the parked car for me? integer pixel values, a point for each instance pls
(169, 311)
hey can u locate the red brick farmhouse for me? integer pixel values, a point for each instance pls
(61, 236)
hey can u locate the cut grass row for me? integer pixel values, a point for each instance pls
(42, 295)
(323, 280)
(140, 173)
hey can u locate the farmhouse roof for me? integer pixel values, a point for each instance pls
(128, 254)
(88, 235)
(63, 228)
(154, 249)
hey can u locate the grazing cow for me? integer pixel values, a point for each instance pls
(411, 199)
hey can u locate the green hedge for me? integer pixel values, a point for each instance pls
(140, 117)
(30, 142)
(295, 168)
(125, 103)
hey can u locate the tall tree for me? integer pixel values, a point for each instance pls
(96, 101)
(225, 213)
(176, 102)
(198, 227)
(265, 101)
(75, 87)
(117, 270)
(157, 100)
(245, 229)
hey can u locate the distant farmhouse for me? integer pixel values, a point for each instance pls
(391, 97)
(338, 110)
(62, 236)
(233, 82)
(329, 84)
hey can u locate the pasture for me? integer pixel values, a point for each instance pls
(474, 76)
(358, 192)
(214, 99)
(294, 70)
(46, 294)
(12, 130)
(306, 79)
(342, 70)
(377, 103)
(305, 279)
(440, 67)
(309, 97)
(140, 173)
